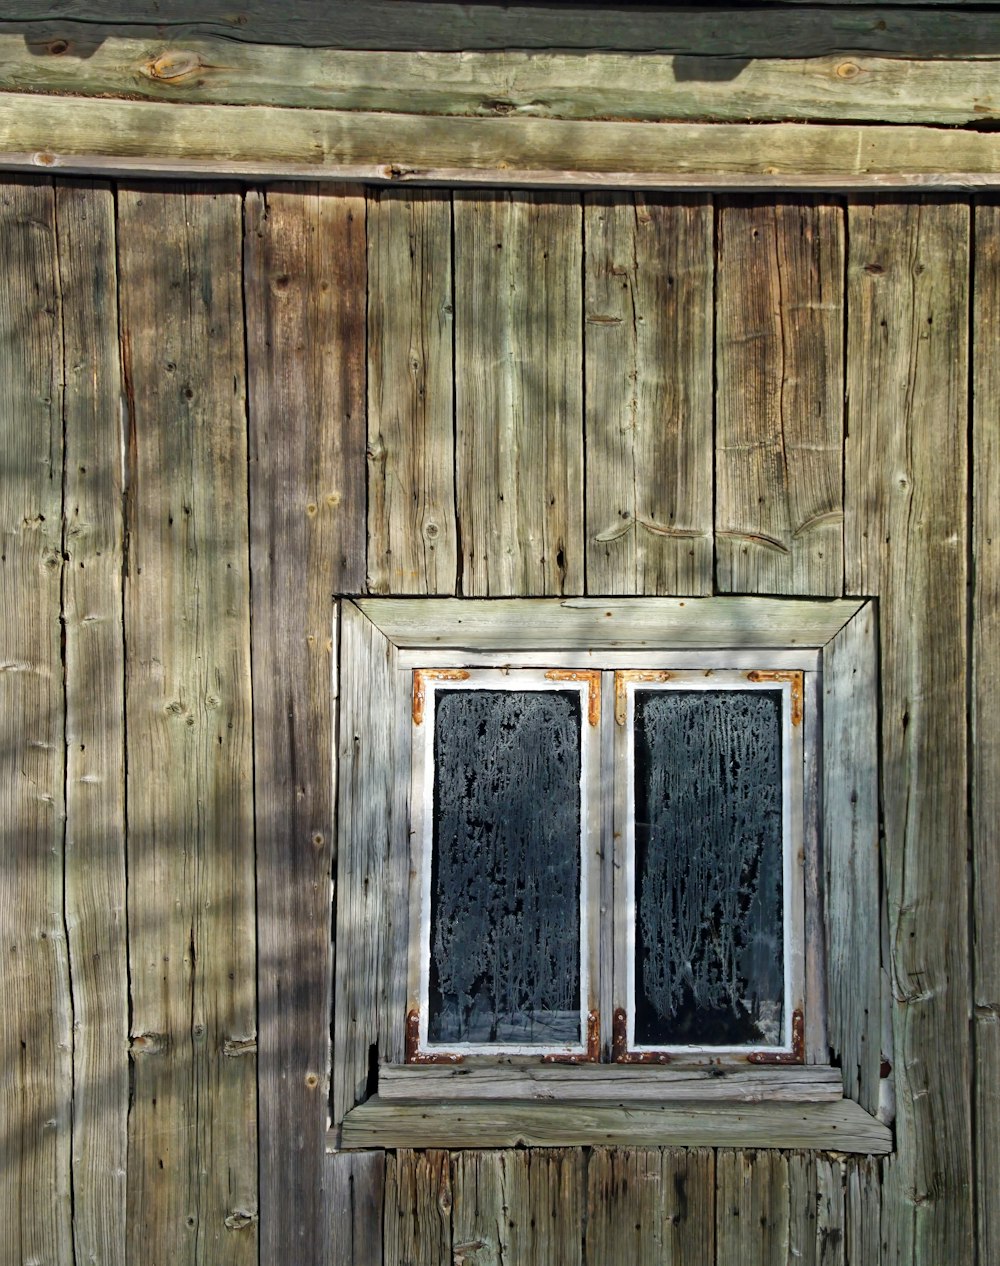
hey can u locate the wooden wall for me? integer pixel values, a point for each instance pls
(219, 409)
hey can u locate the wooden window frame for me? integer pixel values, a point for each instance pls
(378, 1100)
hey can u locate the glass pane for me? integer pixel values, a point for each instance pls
(505, 875)
(709, 956)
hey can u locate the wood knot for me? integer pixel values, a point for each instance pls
(848, 70)
(171, 66)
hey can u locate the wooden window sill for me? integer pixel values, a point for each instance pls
(840, 1126)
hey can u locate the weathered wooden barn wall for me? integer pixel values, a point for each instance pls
(221, 408)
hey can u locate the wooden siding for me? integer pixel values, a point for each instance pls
(184, 499)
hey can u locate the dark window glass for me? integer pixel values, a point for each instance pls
(505, 876)
(709, 958)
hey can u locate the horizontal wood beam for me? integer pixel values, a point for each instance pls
(791, 30)
(558, 85)
(137, 138)
(840, 1127)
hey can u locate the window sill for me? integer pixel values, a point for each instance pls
(840, 1126)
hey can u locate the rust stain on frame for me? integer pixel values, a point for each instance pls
(422, 675)
(593, 679)
(621, 687)
(791, 675)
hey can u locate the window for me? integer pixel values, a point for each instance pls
(607, 872)
(701, 915)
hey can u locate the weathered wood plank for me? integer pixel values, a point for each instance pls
(651, 1206)
(192, 1172)
(368, 939)
(95, 718)
(852, 881)
(816, 1215)
(752, 1208)
(304, 287)
(418, 1202)
(595, 623)
(906, 540)
(518, 394)
(35, 998)
(862, 1208)
(750, 31)
(812, 1082)
(181, 139)
(985, 706)
(411, 437)
(779, 401)
(554, 84)
(355, 1182)
(841, 1126)
(648, 353)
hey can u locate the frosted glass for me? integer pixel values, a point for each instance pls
(505, 877)
(709, 958)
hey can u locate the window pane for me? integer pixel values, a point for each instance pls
(709, 957)
(505, 876)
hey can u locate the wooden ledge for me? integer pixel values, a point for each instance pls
(145, 138)
(840, 1127)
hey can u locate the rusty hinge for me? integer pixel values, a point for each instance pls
(620, 1052)
(621, 687)
(413, 1053)
(593, 680)
(420, 675)
(790, 675)
(797, 1055)
(593, 1051)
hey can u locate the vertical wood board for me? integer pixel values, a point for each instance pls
(985, 706)
(752, 1208)
(648, 370)
(305, 268)
(411, 439)
(518, 393)
(368, 777)
(36, 1055)
(355, 1183)
(779, 352)
(418, 1203)
(192, 1181)
(95, 719)
(851, 856)
(646, 1206)
(906, 540)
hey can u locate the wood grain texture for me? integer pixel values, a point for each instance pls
(648, 1206)
(95, 719)
(418, 1202)
(852, 880)
(355, 1182)
(906, 540)
(730, 31)
(985, 704)
(518, 394)
(369, 993)
(557, 84)
(411, 437)
(752, 1208)
(35, 998)
(192, 1171)
(517, 1206)
(839, 1126)
(150, 138)
(811, 1082)
(304, 267)
(779, 402)
(648, 350)
(862, 1208)
(609, 623)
